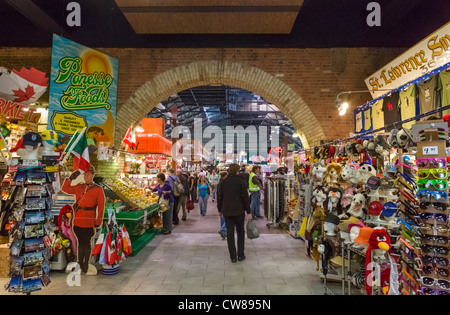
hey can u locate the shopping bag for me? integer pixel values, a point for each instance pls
(252, 230)
(163, 203)
(189, 205)
(302, 230)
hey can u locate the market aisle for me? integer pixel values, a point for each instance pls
(194, 260)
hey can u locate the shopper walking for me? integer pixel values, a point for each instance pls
(193, 182)
(213, 181)
(172, 178)
(244, 175)
(183, 197)
(223, 227)
(233, 202)
(165, 191)
(203, 192)
(255, 187)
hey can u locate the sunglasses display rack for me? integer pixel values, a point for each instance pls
(29, 223)
(425, 249)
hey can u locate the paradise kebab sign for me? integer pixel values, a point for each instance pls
(429, 54)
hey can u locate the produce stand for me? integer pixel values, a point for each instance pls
(134, 214)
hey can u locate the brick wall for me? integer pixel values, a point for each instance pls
(306, 91)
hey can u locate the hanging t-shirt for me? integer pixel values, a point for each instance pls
(408, 104)
(358, 121)
(377, 115)
(367, 120)
(444, 89)
(391, 110)
(428, 99)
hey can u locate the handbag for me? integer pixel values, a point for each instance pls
(189, 204)
(252, 230)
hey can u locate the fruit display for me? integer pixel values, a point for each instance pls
(134, 196)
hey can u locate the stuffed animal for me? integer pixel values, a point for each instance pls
(404, 139)
(357, 207)
(65, 218)
(318, 171)
(319, 197)
(370, 148)
(333, 173)
(334, 201)
(392, 139)
(348, 173)
(364, 172)
(380, 250)
(381, 146)
(347, 197)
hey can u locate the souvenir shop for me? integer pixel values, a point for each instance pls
(373, 208)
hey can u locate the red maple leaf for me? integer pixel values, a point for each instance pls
(23, 96)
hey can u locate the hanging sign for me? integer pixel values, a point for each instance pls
(83, 92)
(429, 54)
(18, 111)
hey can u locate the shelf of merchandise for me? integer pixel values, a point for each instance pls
(137, 221)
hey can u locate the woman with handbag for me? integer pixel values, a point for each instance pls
(166, 198)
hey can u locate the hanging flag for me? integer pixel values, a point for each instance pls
(25, 86)
(69, 147)
(81, 153)
(130, 138)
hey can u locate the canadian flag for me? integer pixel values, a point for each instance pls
(25, 86)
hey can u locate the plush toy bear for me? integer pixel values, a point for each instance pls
(364, 172)
(333, 173)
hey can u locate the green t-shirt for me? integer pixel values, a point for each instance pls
(444, 89)
(377, 115)
(408, 104)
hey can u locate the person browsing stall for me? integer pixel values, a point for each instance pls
(164, 190)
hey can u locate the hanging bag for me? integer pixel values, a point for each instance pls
(252, 230)
(189, 205)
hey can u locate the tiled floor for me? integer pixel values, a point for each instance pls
(194, 260)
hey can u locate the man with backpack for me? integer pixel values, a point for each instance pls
(178, 190)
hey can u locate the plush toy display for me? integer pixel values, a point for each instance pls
(334, 200)
(364, 172)
(318, 171)
(357, 207)
(380, 251)
(333, 173)
(404, 139)
(319, 197)
(381, 146)
(348, 173)
(347, 198)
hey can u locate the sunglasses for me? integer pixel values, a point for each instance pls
(429, 282)
(428, 291)
(435, 238)
(425, 195)
(439, 130)
(431, 163)
(425, 216)
(438, 271)
(437, 205)
(439, 250)
(439, 184)
(437, 173)
(429, 260)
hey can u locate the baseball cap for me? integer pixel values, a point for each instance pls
(50, 136)
(32, 139)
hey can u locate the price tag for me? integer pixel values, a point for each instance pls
(431, 150)
(30, 163)
(51, 169)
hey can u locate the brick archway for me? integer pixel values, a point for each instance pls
(239, 75)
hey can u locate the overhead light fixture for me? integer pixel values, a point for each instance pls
(295, 135)
(342, 107)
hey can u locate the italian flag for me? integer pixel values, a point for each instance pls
(80, 151)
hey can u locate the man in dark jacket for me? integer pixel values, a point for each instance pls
(232, 202)
(183, 198)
